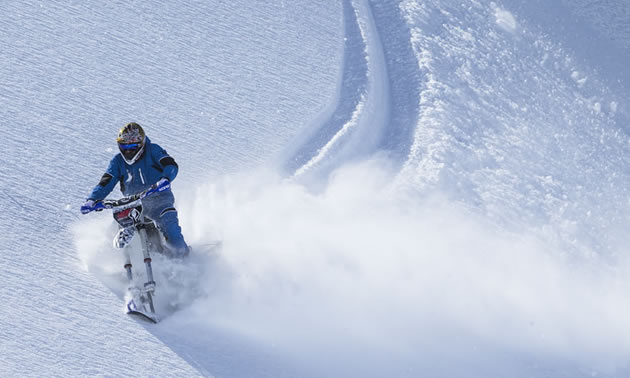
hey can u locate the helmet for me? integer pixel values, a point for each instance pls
(131, 140)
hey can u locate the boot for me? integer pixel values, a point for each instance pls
(123, 237)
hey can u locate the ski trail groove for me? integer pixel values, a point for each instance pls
(378, 99)
(353, 87)
(403, 77)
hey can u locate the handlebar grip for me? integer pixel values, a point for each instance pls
(98, 206)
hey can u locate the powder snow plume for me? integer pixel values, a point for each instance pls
(362, 274)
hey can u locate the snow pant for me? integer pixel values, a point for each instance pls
(160, 208)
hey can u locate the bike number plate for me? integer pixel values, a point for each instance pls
(129, 217)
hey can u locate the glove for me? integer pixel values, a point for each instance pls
(88, 206)
(162, 183)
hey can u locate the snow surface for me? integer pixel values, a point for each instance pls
(401, 188)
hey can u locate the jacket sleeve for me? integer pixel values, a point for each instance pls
(167, 164)
(108, 181)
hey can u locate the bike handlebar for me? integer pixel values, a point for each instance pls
(125, 202)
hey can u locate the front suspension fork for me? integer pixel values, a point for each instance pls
(149, 286)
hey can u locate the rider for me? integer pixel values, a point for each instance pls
(141, 165)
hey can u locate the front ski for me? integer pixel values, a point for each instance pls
(132, 309)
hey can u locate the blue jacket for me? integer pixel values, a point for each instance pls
(154, 164)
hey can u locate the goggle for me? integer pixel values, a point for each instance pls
(129, 146)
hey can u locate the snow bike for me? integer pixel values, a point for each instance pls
(128, 213)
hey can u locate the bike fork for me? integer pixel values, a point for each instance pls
(149, 286)
(128, 266)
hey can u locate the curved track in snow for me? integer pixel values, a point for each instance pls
(378, 97)
(403, 76)
(351, 93)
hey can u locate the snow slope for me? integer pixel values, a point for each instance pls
(402, 188)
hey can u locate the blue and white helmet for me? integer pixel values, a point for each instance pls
(131, 140)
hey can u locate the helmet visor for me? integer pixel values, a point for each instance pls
(130, 150)
(129, 146)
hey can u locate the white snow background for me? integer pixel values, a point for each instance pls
(401, 188)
